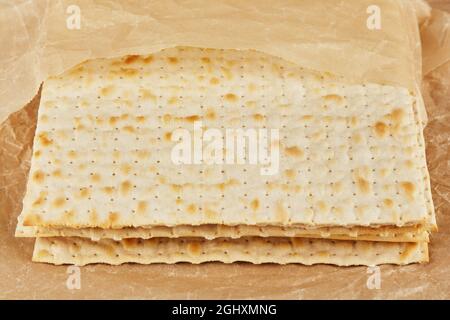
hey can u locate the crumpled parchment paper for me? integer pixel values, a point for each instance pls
(325, 35)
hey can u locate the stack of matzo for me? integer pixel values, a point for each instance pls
(352, 186)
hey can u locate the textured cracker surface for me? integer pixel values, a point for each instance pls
(81, 251)
(393, 234)
(350, 155)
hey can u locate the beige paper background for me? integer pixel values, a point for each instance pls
(40, 46)
(326, 35)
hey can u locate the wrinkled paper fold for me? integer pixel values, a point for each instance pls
(324, 35)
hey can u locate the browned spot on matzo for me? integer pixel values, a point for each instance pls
(294, 151)
(147, 95)
(194, 248)
(176, 188)
(353, 121)
(78, 70)
(363, 185)
(32, 220)
(42, 254)
(409, 189)
(227, 73)
(128, 72)
(69, 215)
(192, 208)
(129, 129)
(142, 207)
(168, 136)
(408, 250)
(210, 115)
(231, 97)
(254, 204)
(214, 81)
(388, 203)
(130, 242)
(113, 120)
(95, 177)
(148, 59)
(106, 91)
(125, 168)
(409, 164)
(59, 202)
(258, 117)
(211, 213)
(131, 59)
(173, 60)
(381, 129)
(108, 190)
(72, 154)
(38, 176)
(143, 154)
(84, 192)
(333, 98)
(125, 187)
(323, 207)
(397, 116)
(141, 119)
(290, 173)
(172, 100)
(336, 187)
(40, 200)
(357, 139)
(44, 140)
(192, 118)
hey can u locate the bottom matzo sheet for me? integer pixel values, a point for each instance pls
(82, 251)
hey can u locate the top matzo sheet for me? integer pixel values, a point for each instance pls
(349, 154)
